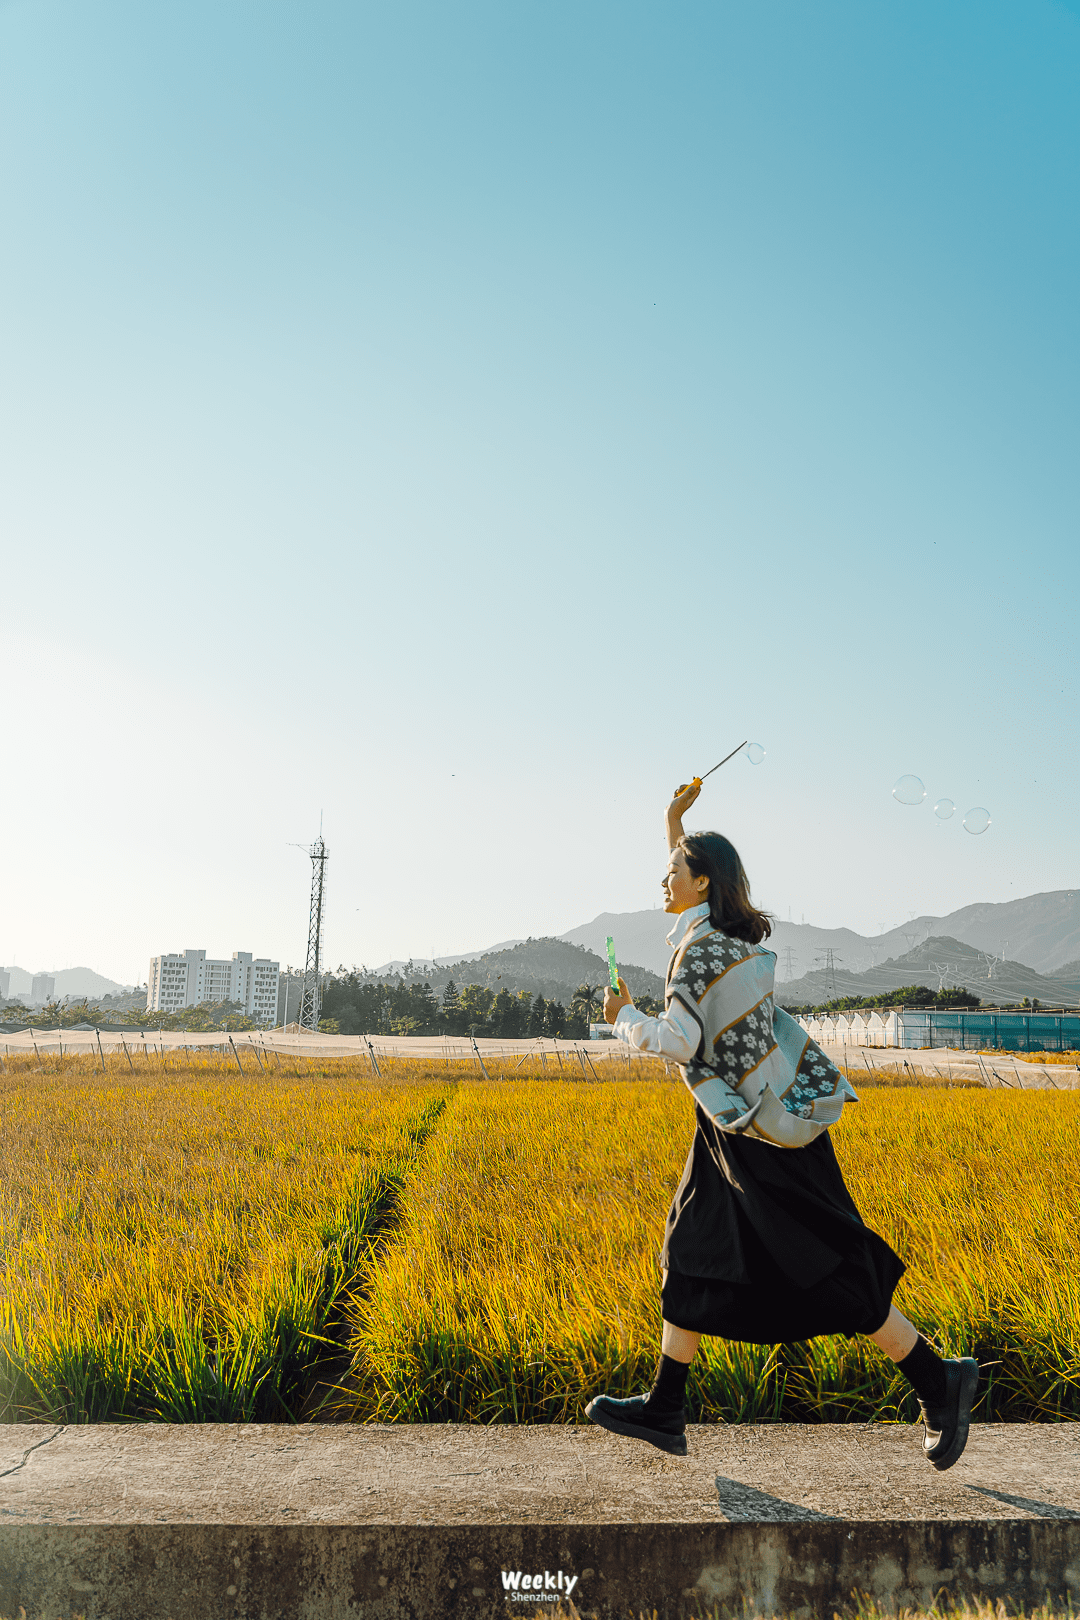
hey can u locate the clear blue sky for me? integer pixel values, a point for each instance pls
(470, 420)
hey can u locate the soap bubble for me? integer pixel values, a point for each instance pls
(977, 820)
(908, 790)
(944, 809)
(755, 753)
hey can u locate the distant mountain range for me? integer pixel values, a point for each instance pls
(940, 962)
(1003, 952)
(70, 982)
(1035, 941)
(552, 968)
(1041, 930)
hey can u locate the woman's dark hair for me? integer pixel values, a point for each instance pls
(710, 855)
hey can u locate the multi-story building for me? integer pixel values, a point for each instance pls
(42, 987)
(186, 978)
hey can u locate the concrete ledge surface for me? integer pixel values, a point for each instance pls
(414, 1522)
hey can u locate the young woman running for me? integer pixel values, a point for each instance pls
(763, 1241)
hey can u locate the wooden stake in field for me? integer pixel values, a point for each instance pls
(236, 1055)
(127, 1054)
(479, 1059)
(101, 1054)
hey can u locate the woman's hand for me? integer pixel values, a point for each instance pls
(675, 811)
(614, 1004)
(682, 800)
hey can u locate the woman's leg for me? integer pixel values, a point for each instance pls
(896, 1335)
(679, 1344)
(659, 1416)
(915, 1357)
(946, 1389)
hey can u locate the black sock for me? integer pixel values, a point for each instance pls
(925, 1372)
(669, 1386)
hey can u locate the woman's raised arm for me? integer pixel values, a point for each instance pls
(675, 811)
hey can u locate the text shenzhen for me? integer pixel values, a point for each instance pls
(532, 1588)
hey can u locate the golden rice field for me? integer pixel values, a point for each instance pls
(187, 1243)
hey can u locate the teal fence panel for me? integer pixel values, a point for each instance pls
(992, 1031)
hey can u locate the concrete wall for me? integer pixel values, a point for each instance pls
(396, 1572)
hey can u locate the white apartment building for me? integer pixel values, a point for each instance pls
(186, 978)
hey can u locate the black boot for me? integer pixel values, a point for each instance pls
(658, 1417)
(945, 1426)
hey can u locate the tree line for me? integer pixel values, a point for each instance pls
(208, 1017)
(355, 1004)
(910, 995)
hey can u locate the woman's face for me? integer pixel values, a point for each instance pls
(681, 888)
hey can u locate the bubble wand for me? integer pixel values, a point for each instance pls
(613, 972)
(697, 781)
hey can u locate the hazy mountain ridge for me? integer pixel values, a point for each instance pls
(73, 983)
(938, 962)
(1039, 930)
(548, 967)
(1039, 934)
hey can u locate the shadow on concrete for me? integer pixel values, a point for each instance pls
(1045, 1510)
(743, 1504)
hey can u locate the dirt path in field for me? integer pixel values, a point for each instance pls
(330, 1392)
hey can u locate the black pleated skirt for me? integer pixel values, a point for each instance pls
(766, 1245)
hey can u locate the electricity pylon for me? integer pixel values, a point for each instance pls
(309, 1000)
(831, 960)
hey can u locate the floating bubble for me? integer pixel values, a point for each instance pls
(944, 809)
(977, 820)
(755, 753)
(908, 790)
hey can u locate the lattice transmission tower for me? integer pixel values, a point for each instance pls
(830, 960)
(309, 1000)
